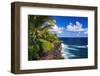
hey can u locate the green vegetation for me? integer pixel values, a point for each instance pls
(46, 45)
(40, 39)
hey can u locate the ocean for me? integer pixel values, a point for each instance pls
(75, 48)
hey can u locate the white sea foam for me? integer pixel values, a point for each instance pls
(72, 49)
(66, 48)
(62, 45)
(72, 55)
(67, 55)
(62, 51)
(84, 46)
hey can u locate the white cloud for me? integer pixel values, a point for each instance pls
(56, 29)
(75, 27)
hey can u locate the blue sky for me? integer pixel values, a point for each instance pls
(69, 26)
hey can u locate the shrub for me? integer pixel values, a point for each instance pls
(33, 52)
(46, 45)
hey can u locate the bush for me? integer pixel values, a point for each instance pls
(46, 45)
(33, 52)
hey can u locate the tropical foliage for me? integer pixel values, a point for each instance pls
(40, 39)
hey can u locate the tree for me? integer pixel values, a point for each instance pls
(40, 40)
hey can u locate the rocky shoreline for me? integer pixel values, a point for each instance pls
(55, 54)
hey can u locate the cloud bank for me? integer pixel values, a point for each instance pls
(71, 30)
(57, 29)
(77, 27)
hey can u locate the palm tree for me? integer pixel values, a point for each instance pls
(39, 23)
(40, 40)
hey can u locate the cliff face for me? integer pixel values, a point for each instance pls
(54, 54)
